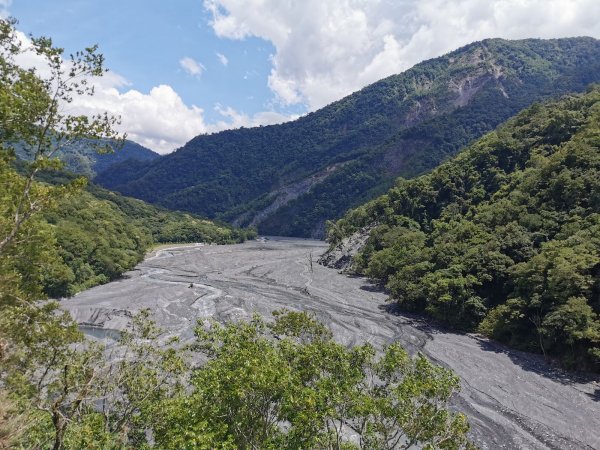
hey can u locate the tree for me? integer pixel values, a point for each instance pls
(288, 384)
(35, 338)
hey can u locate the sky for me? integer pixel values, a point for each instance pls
(180, 68)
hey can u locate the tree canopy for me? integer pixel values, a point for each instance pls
(504, 237)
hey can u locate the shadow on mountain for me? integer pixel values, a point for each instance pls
(529, 362)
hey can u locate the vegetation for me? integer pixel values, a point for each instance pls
(504, 237)
(403, 125)
(98, 234)
(283, 385)
(260, 376)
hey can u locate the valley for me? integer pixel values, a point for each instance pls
(513, 399)
(382, 237)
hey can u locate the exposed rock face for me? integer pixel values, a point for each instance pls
(341, 256)
(283, 196)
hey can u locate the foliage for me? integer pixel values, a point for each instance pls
(285, 384)
(289, 385)
(403, 125)
(87, 395)
(503, 237)
(56, 238)
(171, 226)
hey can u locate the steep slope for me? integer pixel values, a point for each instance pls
(98, 234)
(100, 162)
(402, 125)
(505, 237)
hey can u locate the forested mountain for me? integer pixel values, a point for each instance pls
(81, 158)
(288, 179)
(97, 235)
(101, 234)
(504, 238)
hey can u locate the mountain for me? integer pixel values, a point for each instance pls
(98, 234)
(289, 179)
(503, 239)
(99, 162)
(82, 159)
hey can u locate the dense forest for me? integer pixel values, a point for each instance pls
(100, 234)
(403, 125)
(504, 238)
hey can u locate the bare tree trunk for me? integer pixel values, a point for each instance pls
(59, 427)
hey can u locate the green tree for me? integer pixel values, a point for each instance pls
(288, 384)
(35, 338)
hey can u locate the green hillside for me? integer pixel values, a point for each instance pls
(288, 179)
(504, 238)
(98, 234)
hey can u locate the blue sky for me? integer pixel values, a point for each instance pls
(280, 58)
(144, 40)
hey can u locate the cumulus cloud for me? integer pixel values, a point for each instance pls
(327, 49)
(159, 119)
(191, 66)
(222, 59)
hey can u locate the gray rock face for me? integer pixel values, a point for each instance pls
(340, 257)
(514, 400)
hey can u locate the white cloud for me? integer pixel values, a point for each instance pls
(222, 59)
(191, 66)
(328, 49)
(159, 119)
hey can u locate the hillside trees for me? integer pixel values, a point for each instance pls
(31, 114)
(504, 237)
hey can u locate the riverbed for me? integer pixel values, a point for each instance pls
(513, 399)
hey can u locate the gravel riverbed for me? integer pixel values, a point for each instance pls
(514, 400)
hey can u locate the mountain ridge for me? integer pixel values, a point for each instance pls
(402, 125)
(82, 158)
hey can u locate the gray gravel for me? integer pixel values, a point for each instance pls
(513, 399)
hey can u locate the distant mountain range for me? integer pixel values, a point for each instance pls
(289, 179)
(82, 159)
